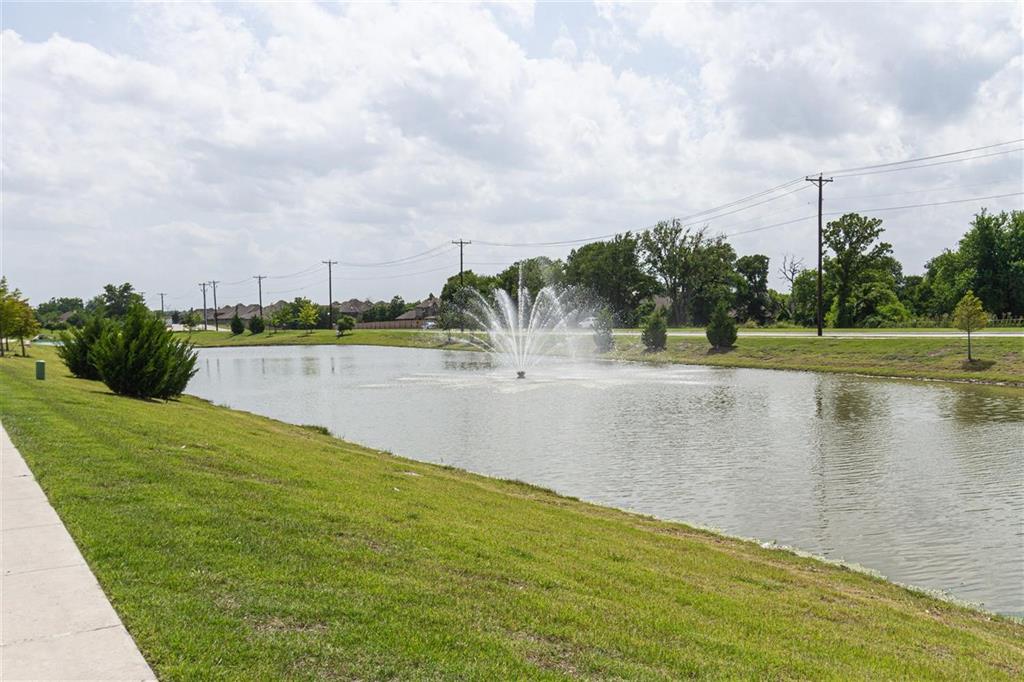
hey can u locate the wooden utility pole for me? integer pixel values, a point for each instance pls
(216, 323)
(162, 294)
(820, 182)
(259, 283)
(462, 244)
(203, 287)
(330, 294)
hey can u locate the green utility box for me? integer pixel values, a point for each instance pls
(40, 369)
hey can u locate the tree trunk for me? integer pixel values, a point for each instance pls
(969, 358)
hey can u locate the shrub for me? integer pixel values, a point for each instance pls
(237, 326)
(346, 323)
(603, 338)
(76, 346)
(721, 329)
(655, 330)
(257, 325)
(142, 358)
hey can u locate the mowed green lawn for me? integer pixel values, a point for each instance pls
(235, 546)
(1000, 359)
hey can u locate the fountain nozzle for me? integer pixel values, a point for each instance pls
(520, 375)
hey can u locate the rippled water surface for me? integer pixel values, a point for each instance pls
(923, 482)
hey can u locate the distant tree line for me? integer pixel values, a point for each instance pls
(864, 285)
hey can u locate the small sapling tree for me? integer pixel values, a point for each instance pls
(191, 319)
(721, 330)
(237, 326)
(257, 325)
(309, 313)
(346, 323)
(655, 330)
(603, 339)
(969, 316)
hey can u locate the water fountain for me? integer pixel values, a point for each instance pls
(521, 330)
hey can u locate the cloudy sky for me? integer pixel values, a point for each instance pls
(171, 144)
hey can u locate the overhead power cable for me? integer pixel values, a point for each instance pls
(923, 158)
(928, 165)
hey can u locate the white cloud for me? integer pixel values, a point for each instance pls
(264, 138)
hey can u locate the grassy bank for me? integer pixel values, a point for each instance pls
(234, 546)
(1001, 360)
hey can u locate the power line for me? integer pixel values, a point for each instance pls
(429, 253)
(925, 158)
(928, 165)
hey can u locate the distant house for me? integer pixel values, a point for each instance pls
(424, 310)
(353, 307)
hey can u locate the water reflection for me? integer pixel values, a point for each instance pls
(922, 482)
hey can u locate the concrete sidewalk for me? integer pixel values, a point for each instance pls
(55, 621)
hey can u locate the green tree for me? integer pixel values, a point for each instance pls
(483, 284)
(237, 326)
(694, 270)
(655, 330)
(115, 301)
(721, 330)
(191, 319)
(141, 358)
(76, 346)
(970, 316)
(308, 315)
(282, 317)
(49, 313)
(753, 302)
(857, 258)
(603, 339)
(537, 273)
(346, 323)
(804, 298)
(256, 325)
(613, 272)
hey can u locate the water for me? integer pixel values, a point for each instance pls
(922, 482)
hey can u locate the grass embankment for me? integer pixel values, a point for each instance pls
(1001, 360)
(998, 360)
(235, 546)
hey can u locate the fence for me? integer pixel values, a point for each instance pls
(391, 324)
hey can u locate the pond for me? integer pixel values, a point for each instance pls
(922, 482)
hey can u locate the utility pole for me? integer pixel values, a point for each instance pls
(202, 285)
(259, 282)
(462, 244)
(216, 324)
(330, 295)
(162, 294)
(820, 182)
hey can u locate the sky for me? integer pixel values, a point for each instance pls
(171, 144)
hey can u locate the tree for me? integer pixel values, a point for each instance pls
(693, 269)
(603, 339)
(483, 284)
(256, 325)
(790, 270)
(612, 271)
(655, 330)
(721, 330)
(537, 273)
(396, 307)
(191, 319)
(803, 298)
(17, 319)
(752, 299)
(115, 301)
(450, 315)
(308, 314)
(970, 316)
(346, 323)
(141, 358)
(282, 317)
(857, 259)
(76, 346)
(989, 260)
(237, 326)
(49, 313)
